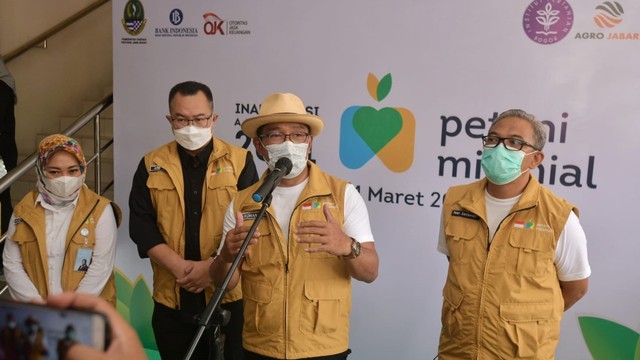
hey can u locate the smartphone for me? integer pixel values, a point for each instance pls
(29, 331)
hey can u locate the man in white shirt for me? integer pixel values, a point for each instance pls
(517, 253)
(316, 237)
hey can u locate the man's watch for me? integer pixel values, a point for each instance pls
(356, 248)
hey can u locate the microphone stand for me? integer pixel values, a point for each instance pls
(213, 306)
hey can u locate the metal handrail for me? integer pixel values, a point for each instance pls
(92, 114)
(54, 30)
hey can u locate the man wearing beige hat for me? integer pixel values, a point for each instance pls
(297, 270)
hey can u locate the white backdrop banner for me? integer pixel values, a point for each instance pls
(406, 89)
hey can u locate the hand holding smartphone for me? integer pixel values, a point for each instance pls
(29, 330)
(124, 342)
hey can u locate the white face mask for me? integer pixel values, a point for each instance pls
(192, 137)
(297, 153)
(63, 188)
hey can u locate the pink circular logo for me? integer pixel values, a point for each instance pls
(547, 21)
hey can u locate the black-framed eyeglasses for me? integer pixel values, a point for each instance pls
(279, 138)
(199, 121)
(513, 144)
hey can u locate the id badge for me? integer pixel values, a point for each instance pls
(83, 257)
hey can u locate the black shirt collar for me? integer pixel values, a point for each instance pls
(202, 156)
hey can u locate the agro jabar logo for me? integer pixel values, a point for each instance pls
(388, 132)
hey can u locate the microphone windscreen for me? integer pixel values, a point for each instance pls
(284, 164)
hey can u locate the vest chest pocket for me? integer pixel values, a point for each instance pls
(27, 242)
(221, 186)
(164, 196)
(529, 253)
(262, 252)
(315, 214)
(459, 233)
(160, 181)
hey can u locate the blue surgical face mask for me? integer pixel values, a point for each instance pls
(502, 166)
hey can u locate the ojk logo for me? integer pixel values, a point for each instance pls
(388, 133)
(213, 24)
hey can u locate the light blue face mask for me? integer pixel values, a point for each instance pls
(502, 166)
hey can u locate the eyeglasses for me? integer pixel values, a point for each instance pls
(199, 121)
(512, 144)
(279, 138)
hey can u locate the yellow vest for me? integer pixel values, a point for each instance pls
(296, 304)
(166, 186)
(30, 236)
(502, 301)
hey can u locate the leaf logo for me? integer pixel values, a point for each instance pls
(547, 17)
(609, 340)
(388, 133)
(135, 305)
(547, 22)
(609, 14)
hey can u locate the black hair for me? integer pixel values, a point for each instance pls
(189, 88)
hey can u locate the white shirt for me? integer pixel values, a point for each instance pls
(571, 258)
(57, 220)
(356, 216)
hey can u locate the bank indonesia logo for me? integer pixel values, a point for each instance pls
(609, 14)
(133, 20)
(175, 16)
(547, 21)
(388, 132)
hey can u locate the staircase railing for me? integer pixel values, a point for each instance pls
(42, 38)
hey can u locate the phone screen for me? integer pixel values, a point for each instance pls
(34, 331)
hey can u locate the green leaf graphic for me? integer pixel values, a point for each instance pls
(384, 87)
(609, 340)
(123, 287)
(123, 309)
(135, 304)
(141, 311)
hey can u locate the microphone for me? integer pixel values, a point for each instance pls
(283, 167)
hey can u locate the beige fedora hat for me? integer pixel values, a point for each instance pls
(282, 107)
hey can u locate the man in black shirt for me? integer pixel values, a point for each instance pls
(177, 203)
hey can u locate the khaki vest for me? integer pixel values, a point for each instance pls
(166, 186)
(296, 304)
(502, 301)
(30, 236)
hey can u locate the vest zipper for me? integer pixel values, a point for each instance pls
(485, 274)
(286, 267)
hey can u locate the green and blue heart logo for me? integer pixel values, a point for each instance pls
(388, 133)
